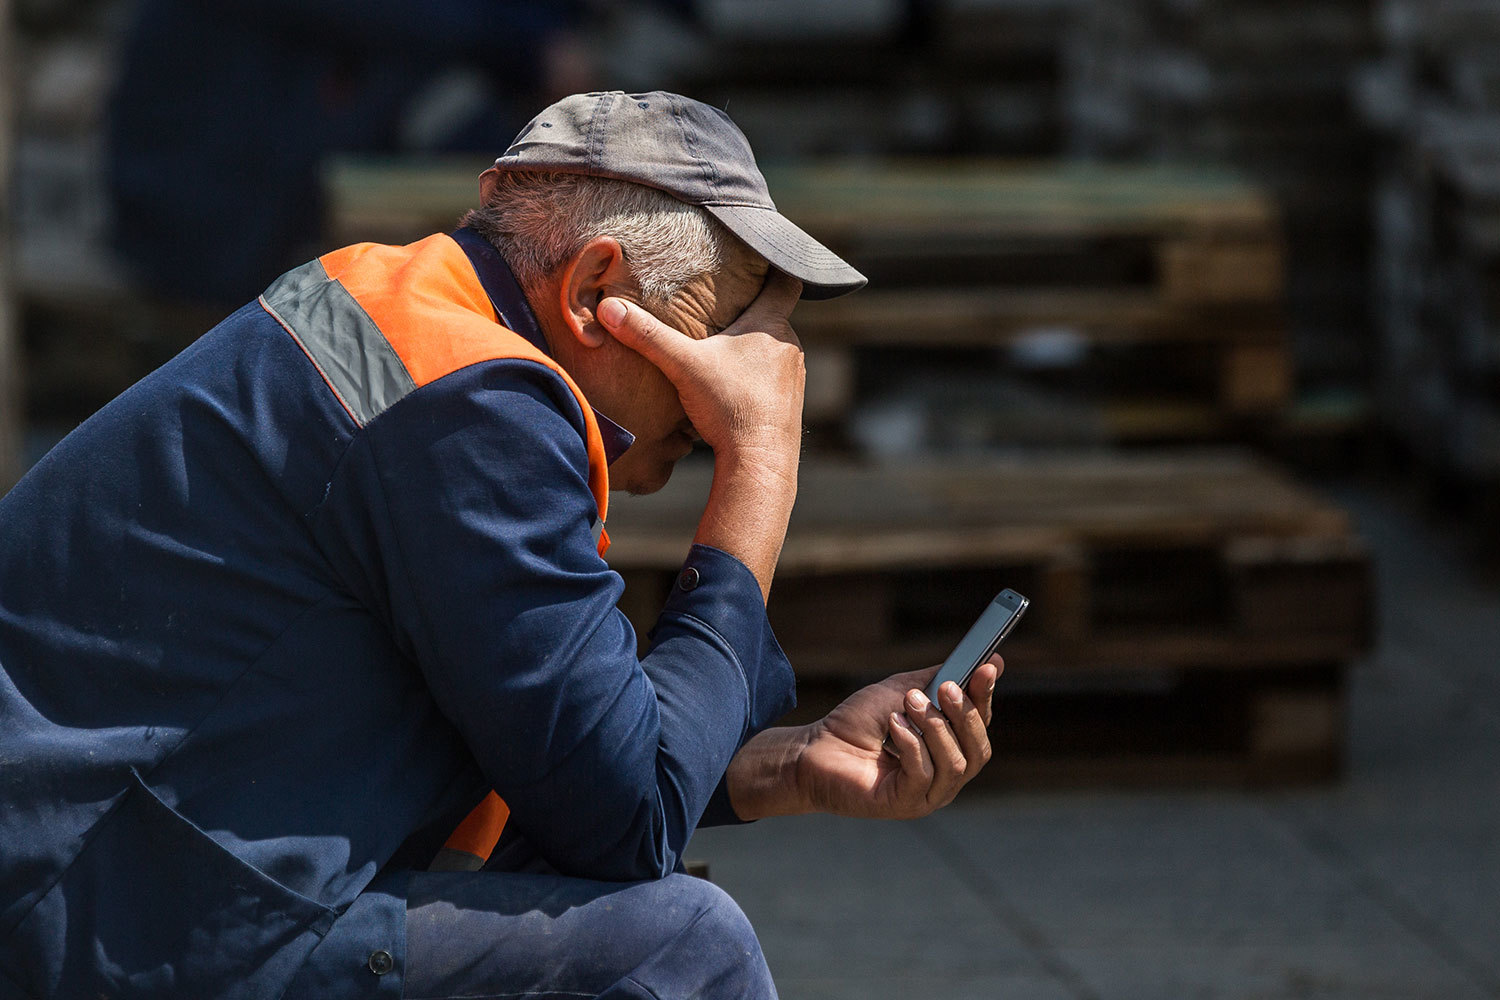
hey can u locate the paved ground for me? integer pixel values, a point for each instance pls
(1386, 886)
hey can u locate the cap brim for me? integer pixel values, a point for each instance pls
(824, 275)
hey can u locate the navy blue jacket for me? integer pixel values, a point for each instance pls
(257, 660)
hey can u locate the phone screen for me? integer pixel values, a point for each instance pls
(980, 641)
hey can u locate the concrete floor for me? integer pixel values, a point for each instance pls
(1384, 886)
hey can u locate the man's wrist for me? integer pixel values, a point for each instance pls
(749, 505)
(770, 460)
(762, 779)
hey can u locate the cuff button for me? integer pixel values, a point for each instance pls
(688, 579)
(381, 962)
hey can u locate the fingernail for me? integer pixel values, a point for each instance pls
(898, 719)
(917, 700)
(612, 312)
(953, 691)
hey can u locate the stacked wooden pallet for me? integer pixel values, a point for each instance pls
(1436, 98)
(1266, 87)
(1146, 300)
(1205, 598)
(1127, 304)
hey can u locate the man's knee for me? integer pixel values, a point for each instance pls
(714, 908)
(716, 937)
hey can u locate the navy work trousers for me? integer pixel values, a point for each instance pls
(519, 930)
(494, 934)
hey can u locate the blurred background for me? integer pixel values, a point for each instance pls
(1182, 321)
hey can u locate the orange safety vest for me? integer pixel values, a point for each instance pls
(381, 321)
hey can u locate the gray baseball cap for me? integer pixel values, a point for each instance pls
(691, 151)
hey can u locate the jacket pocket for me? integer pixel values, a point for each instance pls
(154, 907)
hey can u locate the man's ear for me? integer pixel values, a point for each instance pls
(597, 271)
(487, 181)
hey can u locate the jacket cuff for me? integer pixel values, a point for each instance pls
(717, 591)
(719, 811)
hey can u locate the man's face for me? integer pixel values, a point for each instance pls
(642, 400)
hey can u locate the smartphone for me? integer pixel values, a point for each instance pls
(981, 641)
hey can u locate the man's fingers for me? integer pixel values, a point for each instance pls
(982, 686)
(780, 293)
(969, 726)
(774, 303)
(948, 764)
(906, 740)
(637, 329)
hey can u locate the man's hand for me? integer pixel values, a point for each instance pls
(742, 390)
(837, 765)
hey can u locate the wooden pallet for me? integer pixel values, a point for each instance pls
(1208, 578)
(1161, 268)
(1189, 237)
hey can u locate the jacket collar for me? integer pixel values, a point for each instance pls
(515, 314)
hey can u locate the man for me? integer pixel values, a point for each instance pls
(313, 682)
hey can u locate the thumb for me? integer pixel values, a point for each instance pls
(643, 333)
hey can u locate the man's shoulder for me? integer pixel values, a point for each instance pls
(381, 322)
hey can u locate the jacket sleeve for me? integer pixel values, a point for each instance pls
(463, 516)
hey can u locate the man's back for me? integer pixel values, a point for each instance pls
(164, 597)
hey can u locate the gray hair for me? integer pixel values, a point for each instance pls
(538, 219)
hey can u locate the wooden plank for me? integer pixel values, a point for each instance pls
(1201, 271)
(991, 315)
(945, 512)
(1302, 586)
(908, 199)
(897, 201)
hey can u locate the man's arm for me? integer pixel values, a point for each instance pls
(462, 516)
(743, 389)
